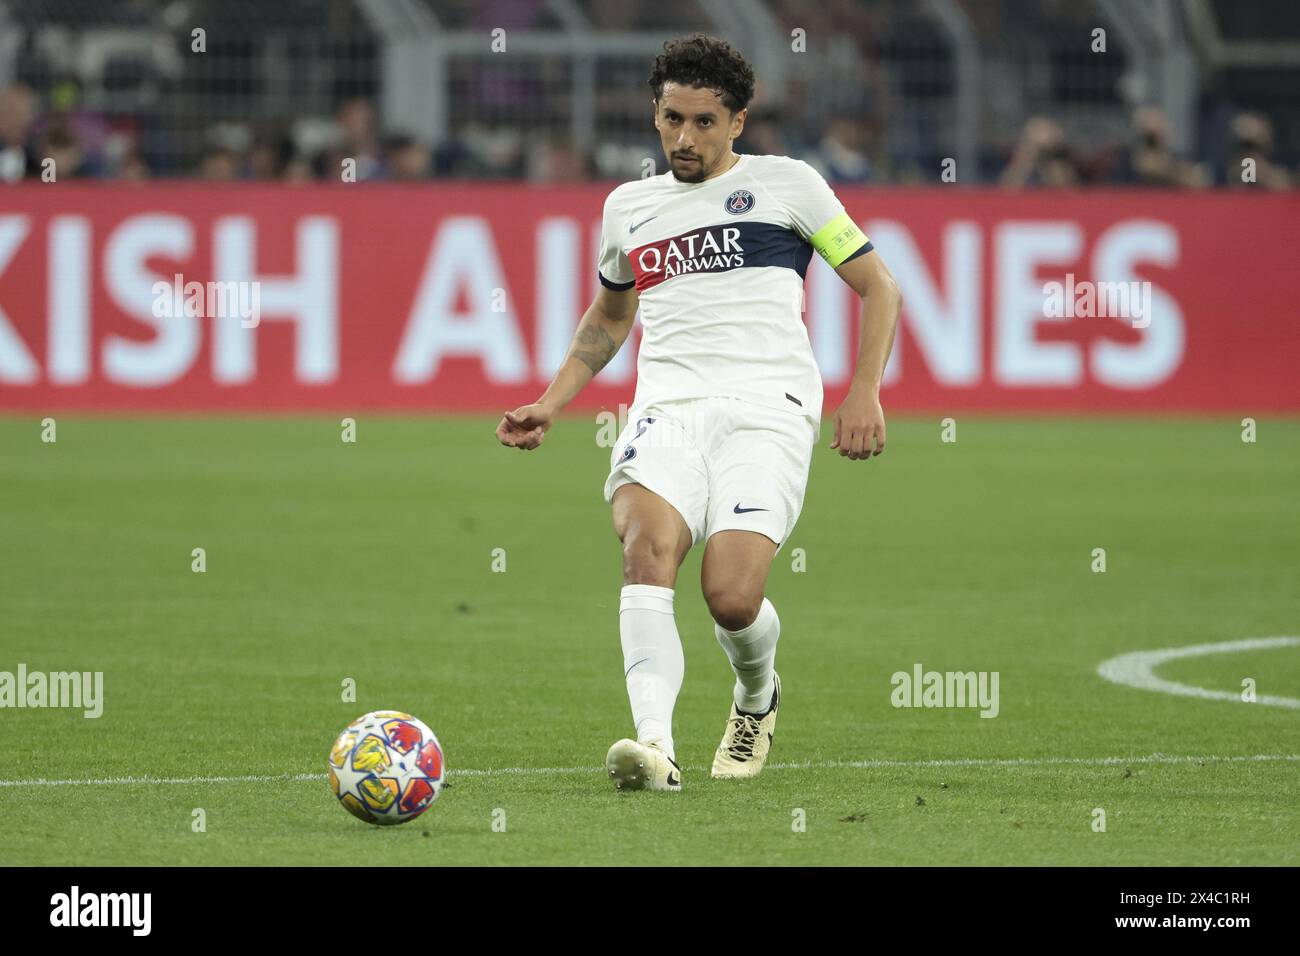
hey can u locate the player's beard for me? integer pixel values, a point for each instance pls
(691, 177)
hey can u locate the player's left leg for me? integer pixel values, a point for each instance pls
(733, 577)
(757, 475)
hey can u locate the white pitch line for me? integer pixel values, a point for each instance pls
(151, 781)
(1137, 670)
(1031, 761)
(594, 769)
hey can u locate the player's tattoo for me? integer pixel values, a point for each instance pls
(594, 347)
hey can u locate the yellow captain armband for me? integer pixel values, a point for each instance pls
(838, 239)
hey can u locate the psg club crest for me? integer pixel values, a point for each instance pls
(741, 201)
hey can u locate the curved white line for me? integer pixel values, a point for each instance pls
(1135, 669)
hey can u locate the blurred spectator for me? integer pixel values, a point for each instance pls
(60, 144)
(298, 171)
(270, 156)
(452, 159)
(358, 139)
(1042, 157)
(407, 159)
(17, 114)
(764, 135)
(220, 165)
(78, 135)
(1252, 139)
(498, 152)
(559, 161)
(1148, 159)
(842, 153)
(133, 168)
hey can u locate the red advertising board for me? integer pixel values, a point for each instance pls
(464, 297)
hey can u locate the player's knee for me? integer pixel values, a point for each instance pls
(733, 608)
(649, 559)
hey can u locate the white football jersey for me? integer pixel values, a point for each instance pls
(719, 267)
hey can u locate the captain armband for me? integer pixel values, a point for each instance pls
(839, 240)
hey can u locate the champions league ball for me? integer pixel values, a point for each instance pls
(386, 767)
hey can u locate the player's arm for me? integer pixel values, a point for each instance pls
(860, 420)
(601, 333)
(821, 219)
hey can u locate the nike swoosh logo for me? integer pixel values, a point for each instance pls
(632, 229)
(641, 661)
(673, 781)
(740, 511)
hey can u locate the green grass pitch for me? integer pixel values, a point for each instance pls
(373, 561)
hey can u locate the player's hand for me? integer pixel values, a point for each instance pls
(526, 426)
(859, 423)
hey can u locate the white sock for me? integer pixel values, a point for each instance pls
(652, 660)
(751, 651)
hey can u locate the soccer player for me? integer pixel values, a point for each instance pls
(728, 397)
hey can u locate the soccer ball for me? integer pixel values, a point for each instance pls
(386, 767)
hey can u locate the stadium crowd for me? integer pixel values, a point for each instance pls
(849, 149)
(886, 120)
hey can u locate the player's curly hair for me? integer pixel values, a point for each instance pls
(707, 62)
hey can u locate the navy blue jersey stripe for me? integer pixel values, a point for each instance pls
(767, 244)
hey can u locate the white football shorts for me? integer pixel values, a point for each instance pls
(723, 463)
